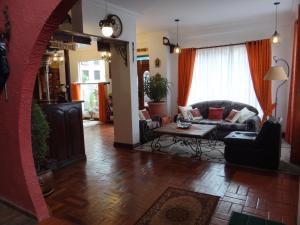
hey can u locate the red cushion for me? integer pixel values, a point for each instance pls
(215, 113)
(195, 112)
(146, 115)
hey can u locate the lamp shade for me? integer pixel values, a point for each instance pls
(276, 73)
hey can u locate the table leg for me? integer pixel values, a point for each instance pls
(155, 145)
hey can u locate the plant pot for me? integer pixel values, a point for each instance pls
(157, 108)
(46, 182)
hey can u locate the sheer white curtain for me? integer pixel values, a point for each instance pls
(223, 73)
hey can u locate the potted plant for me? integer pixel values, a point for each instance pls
(156, 88)
(39, 136)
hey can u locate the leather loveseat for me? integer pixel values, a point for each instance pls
(224, 127)
(255, 149)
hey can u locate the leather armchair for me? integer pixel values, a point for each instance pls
(146, 128)
(253, 124)
(255, 149)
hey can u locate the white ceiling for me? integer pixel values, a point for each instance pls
(159, 15)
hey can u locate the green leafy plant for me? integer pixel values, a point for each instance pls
(39, 135)
(156, 87)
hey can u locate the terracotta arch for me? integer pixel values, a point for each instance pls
(32, 23)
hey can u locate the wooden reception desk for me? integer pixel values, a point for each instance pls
(66, 141)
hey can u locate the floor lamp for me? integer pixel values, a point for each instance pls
(278, 73)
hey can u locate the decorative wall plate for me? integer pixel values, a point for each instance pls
(117, 26)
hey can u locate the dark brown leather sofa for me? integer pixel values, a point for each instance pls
(224, 127)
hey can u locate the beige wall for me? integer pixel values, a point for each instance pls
(125, 91)
(154, 43)
(88, 53)
(225, 35)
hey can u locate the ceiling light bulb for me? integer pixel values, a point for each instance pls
(61, 58)
(55, 58)
(275, 37)
(177, 49)
(107, 30)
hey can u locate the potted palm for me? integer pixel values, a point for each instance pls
(39, 136)
(156, 88)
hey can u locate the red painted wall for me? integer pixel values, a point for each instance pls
(32, 24)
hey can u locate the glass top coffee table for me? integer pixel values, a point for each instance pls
(191, 136)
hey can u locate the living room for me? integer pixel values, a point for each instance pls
(129, 182)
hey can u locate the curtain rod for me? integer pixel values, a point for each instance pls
(218, 46)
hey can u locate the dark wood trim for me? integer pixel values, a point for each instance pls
(18, 208)
(219, 46)
(69, 36)
(123, 145)
(68, 75)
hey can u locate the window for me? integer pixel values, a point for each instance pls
(85, 76)
(96, 75)
(223, 73)
(90, 73)
(97, 62)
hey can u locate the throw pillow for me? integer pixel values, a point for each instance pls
(144, 115)
(233, 116)
(196, 114)
(215, 113)
(245, 114)
(185, 111)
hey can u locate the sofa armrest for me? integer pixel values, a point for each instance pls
(253, 123)
(157, 118)
(239, 142)
(143, 124)
(175, 118)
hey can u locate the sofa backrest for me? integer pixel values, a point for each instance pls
(228, 105)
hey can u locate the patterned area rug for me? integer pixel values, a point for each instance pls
(180, 207)
(213, 152)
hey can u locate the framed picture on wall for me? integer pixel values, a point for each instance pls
(157, 62)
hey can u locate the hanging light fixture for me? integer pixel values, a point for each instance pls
(55, 57)
(177, 48)
(275, 36)
(106, 24)
(104, 49)
(106, 56)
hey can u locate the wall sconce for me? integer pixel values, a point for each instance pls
(104, 48)
(167, 42)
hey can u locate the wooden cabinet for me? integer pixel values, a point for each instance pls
(66, 141)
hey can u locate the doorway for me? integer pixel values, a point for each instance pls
(142, 66)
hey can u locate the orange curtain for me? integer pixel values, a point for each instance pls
(260, 59)
(289, 123)
(75, 90)
(295, 134)
(102, 101)
(186, 62)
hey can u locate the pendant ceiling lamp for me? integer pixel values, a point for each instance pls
(106, 24)
(275, 36)
(177, 48)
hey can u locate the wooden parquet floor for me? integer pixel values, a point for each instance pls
(11, 216)
(116, 186)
